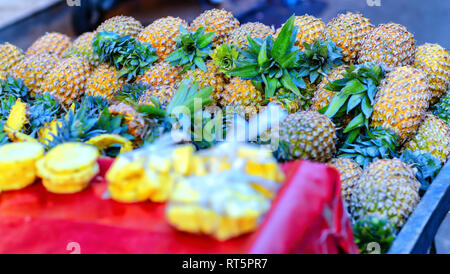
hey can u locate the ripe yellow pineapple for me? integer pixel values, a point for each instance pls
(350, 172)
(390, 44)
(104, 82)
(53, 43)
(401, 102)
(209, 78)
(434, 60)
(322, 96)
(433, 136)
(160, 73)
(348, 31)
(82, 47)
(162, 34)
(238, 37)
(161, 93)
(220, 21)
(122, 25)
(310, 29)
(33, 69)
(240, 93)
(10, 55)
(388, 190)
(67, 80)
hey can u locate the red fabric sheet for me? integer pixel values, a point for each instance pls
(307, 217)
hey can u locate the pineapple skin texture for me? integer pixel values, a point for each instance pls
(209, 78)
(134, 120)
(162, 34)
(387, 189)
(218, 20)
(162, 93)
(308, 135)
(33, 69)
(434, 60)
(82, 47)
(17, 164)
(322, 97)
(239, 93)
(401, 102)
(51, 43)
(350, 172)
(348, 32)
(433, 136)
(310, 29)
(389, 44)
(104, 82)
(10, 55)
(160, 73)
(238, 37)
(67, 80)
(122, 25)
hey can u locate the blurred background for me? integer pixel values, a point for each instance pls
(23, 21)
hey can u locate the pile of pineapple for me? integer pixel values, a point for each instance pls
(365, 99)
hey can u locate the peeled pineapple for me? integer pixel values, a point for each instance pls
(17, 164)
(68, 168)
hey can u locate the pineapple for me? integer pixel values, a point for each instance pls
(82, 47)
(434, 60)
(442, 108)
(104, 82)
(238, 37)
(33, 69)
(162, 34)
(67, 80)
(134, 120)
(122, 25)
(401, 102)
(220, 21)
(433, 136)
(210, 77)
(387, 190)
(390, 44)
(10, 55)
(288, 101)
(161, 73)
(309, 30)
(239, 93)
(307, 135)
(348, 31)
(52, 43)
(322, 96)
(349, 171)
(162, 93)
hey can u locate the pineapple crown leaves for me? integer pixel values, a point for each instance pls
(377, 143)
(355, 93)
(225, 57)
(371, 230)
(14, 87)
(128, 55)
(6, 104)
(317, 60)
(271, 63)
(3, 136)
(94, 104)
(193, 48)
(185, 96)
(130, 93)
(113, 124)
(44, 109)
(427, 166)
(79, 125)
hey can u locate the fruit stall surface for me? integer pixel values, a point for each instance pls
(222, 122)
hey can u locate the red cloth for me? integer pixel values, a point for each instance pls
(306, 217)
